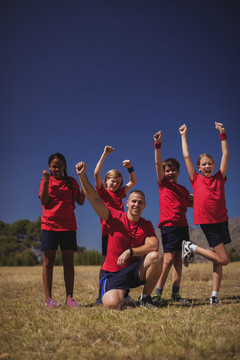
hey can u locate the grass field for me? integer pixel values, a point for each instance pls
(29, 330)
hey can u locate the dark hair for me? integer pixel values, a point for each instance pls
(171, 161)
(62, 158)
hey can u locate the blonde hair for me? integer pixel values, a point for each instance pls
(202, 156)
(112, 174)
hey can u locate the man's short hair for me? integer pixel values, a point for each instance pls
(140, 192)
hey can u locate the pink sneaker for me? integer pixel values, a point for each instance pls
(52, 303)
(71, 302)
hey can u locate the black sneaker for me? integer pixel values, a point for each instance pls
(178, 299)
(156, 299)
(147, 303)
(98, 301)
(214, 301)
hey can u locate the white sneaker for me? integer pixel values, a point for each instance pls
(214, 301)
(187, 253)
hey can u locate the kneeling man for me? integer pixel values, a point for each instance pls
(132, 254)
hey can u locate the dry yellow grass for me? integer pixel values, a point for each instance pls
(31, 331)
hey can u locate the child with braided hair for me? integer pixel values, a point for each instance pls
(58, 194)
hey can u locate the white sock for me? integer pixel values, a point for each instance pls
(142, 296)
(215, 293)
(193, 247)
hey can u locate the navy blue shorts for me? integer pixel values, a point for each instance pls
(216, 233)
(104, 245)
(66, 239)
(126, 278)
(173, 236)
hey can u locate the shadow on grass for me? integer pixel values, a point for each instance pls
(191, 303)
(202, 302)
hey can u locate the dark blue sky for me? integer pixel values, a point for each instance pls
(79, 75)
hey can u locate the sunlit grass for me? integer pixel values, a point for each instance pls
(31, 331)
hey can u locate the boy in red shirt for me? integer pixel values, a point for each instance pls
(174, 200)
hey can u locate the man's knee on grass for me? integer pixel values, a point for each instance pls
(113, 299)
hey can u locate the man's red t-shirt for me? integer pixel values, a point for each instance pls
(124, 234)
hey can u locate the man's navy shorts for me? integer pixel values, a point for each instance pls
(216, 233)
(66, 239)
(173, 236)
(126, 278)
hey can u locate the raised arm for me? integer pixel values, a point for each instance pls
(98, 169)
(98, 205)
(44, 197)
(158, 157)
(81, 197)
(132, 177)
(225, 151)
(186, 155)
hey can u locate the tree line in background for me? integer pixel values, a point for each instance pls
(20, 244)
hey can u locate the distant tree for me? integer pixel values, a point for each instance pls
(33, 236)
(20, 244)
(87, 257)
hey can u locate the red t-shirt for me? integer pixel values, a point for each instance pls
(173, 201)
(209, 199)
(112, 199)
(124, 234)
(58, 214)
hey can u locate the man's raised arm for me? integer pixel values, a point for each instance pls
(98, 205)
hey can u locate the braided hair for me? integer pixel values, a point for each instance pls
(62, 158)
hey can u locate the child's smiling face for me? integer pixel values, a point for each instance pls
(206, 166)
(171, 172)
(57, 167)
(113, 184)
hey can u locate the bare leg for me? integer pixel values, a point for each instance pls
(114, 298)
(219, 256)
(67, 258)
(47, 272)
(167, 264)
(217, 277)
(177, 268)
(150, 271)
